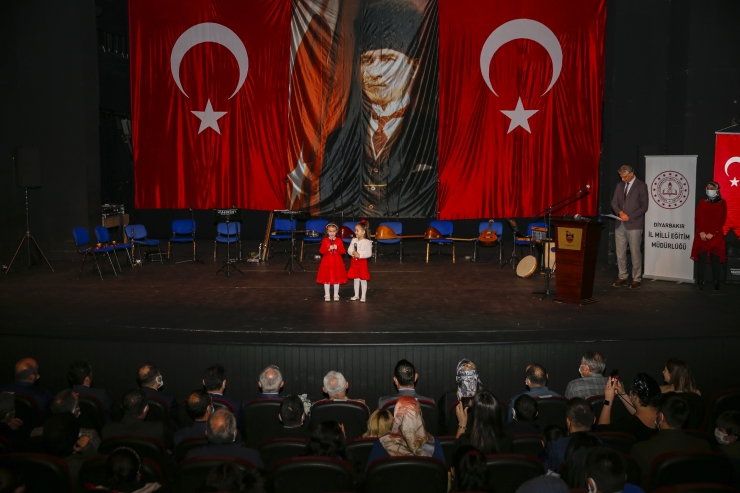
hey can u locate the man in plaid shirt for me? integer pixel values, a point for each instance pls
(592, 381)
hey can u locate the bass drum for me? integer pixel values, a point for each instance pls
(527, 266)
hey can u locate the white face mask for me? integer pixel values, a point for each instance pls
(580, 372)
(592, 489)
(711, 193)
(720, 437)
(160, 382)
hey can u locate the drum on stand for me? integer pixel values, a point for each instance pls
(527, 266)
(549, 254)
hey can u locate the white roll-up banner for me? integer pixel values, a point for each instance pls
(669, 221)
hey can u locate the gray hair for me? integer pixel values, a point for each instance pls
(270, 379)
(334, 383)
(595, 361)
(626, 169)
(221, 427)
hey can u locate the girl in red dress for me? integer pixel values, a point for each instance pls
(331, 269)
(361, 249)
(709, 240)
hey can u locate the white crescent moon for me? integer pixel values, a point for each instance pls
(733, 159)
(521, 29)
(213, 33)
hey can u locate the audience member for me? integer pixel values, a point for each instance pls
(407, 436)
(467, 383)
(270, 382)
(469, 471)
(727, 433)
(135, 408)
(67, 401)
(544, 484)
(552, 432)
(11, 481)
(484, 427)
(61, 439)
(199, 407)
(214, 380)
(221, 433)
(404, 378)
(26, 383)
(640, 403)
(10, 426)
(536, 381)
(151, 382)
(606, 472)
(677, 377)
(580, 446)
(525, 412)
(592, 380)
(379, 423)
(327, 440)
(579, 418)
(79, 377)
(293, 416)
(230, 478)
(335, 386)
(123, 473)
(673, 411)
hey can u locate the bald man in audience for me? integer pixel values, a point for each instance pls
(336, 386)
(271, 382)
(536, 380)
(199, 406)
(26, 383)
(222, 440)
(151, 382)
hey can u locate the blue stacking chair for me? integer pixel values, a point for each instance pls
(528, 240)
(82, 239)
(318, 225)
(183, 231)
(445, 229)
(138, 235)
(497, 228)
(398, 229)
(104, 237)
(228, 233)
(281, 231)
(351, 225)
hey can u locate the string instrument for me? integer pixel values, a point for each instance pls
(264, 247)
(386, 233)
(434, 234)
(345, 233)
(488, 237)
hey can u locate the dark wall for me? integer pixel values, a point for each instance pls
(49, 87)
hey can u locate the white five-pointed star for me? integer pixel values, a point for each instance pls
(209, 118)
(519, 117)
(734, 182)
(297, 176)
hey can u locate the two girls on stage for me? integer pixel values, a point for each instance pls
(331, 269)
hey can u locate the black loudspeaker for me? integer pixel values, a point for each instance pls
(27, 167)
(733, 264)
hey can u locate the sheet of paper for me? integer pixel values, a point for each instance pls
(611, 216)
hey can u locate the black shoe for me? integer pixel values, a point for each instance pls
(699, 285)
(716, 285)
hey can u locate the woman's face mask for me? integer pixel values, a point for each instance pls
(720, 436)
(711, 193)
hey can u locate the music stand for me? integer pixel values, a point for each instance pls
(294, 216)
(229, 215)
(517, 234)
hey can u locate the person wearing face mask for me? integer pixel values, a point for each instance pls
(592, 381)
(640, 402)
(222, 440)
(27, 383)
(673, 411)
(134, 404)
(151, 382)
(727, 433)
(709, 240)
(68, 401)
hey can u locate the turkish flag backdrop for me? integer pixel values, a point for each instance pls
(232, 150)
(727, 174)
(487, 168)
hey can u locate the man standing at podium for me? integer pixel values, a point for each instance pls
(631, 203)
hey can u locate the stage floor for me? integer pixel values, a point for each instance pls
(407, 303)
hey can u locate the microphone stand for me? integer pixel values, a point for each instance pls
(547, 213)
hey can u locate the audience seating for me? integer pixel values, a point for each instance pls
(313, 475)
(93, 471)
(182, 418)
(5, 446)
(159, 410)
(188, 444)
(634, 473)
(318, 225)
(277, 449)
(222, 404)
(621, 441)
(527, 445)
(696, 488)
(397, 228)
(41, 472)
(144, 446)
(689, 467)
(352, 414)
(261, 421)
(704, 435)
(509, 471)
(27, 410)
(448, 444)
(697, 409)
(551, 411)
(35, 445)
(619, 410)
(92, 414)
(428, 410)
(191, 473)
(407, 474)
(358, 450)
(724, 400)
(138, 236)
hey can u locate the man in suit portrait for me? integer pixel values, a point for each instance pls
(630, 201)
(397, 158)
(404, 378)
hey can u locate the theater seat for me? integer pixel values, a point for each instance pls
(634, 473)
(358, 450)
(261, 421)
(551, 411)
(407, 474)
(312, 475)
(41, 473)
(689, 467)
(448, 447)
(696, 488)
(353, 415)
(509, 471)
(277, 449)
(724, 400)
(191, 473)
(92, 413)
(144, 446)
(621, 441)
(92, 471)
(188, 444)
(527, 445)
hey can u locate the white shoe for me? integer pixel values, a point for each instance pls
(336, 297)
(362, 300)
(355, 298)
(327, 298)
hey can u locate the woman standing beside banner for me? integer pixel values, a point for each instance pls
(710, 217)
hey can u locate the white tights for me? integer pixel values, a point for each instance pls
(326, 289)
(359, 283)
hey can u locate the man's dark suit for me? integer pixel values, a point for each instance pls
(39, 394)
(197, 429)
(133, 426)
(228, 450)
(235, 405)
(635, 205)
(100, 394)
(297, 432)
(412, 392)
(663, 442)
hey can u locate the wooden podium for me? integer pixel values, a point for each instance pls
(576, 243)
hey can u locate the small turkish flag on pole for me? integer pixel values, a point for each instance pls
(209, 81)
(727, 174)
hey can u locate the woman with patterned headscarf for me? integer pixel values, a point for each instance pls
(407, 436)
(709, 238)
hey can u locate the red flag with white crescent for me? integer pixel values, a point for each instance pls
(727, 174)
(209, 81)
